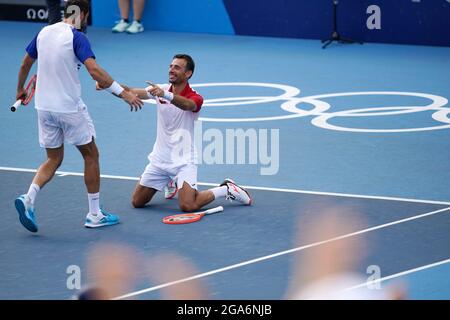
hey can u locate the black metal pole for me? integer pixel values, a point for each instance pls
(335, 3)
(335, 36)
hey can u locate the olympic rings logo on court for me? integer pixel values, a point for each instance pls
(321, 110)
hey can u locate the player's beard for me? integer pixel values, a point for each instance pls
(175, 79)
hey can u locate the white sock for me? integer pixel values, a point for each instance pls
(32, 192)
(94, 203)
(219, 191)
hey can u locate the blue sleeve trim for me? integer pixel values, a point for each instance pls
(81, 46)
(32, 48)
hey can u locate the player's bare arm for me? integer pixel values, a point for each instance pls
(104, 81)
(27, 63)
(177, 100)
(139, 92)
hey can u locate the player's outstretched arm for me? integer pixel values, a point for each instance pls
(104, 81)
(178, 101)
(140, 92)
(183, 103)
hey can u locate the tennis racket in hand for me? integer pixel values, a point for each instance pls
(184, 218)
(31, 87)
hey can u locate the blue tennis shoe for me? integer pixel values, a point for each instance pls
(101, 220)
(26, 213)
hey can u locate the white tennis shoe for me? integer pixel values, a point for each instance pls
(121, 26)
(171, 190)
(135, 27)
(237, 193)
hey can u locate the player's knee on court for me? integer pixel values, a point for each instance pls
(188, 206)
(137, 202)
(142, 195)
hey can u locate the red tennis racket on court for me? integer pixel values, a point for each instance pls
(31, 87)
(184, 218)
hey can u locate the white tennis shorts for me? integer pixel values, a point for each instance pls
(157, 175)
(74, 128)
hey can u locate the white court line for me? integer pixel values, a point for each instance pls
(64, 173)
(371, 283)
(68, 173)
(347, 195)
(244, 263)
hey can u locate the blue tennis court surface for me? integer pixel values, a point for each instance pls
(360, 127)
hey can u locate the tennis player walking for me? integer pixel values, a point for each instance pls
(174, 155)
(62, 115)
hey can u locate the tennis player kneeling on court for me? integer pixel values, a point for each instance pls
(62, 115)
(174, 155)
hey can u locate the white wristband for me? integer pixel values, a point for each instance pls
(115, 88)
(149, 95)
(168, 95)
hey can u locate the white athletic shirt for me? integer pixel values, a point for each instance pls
(60, 49)
(174, 143)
